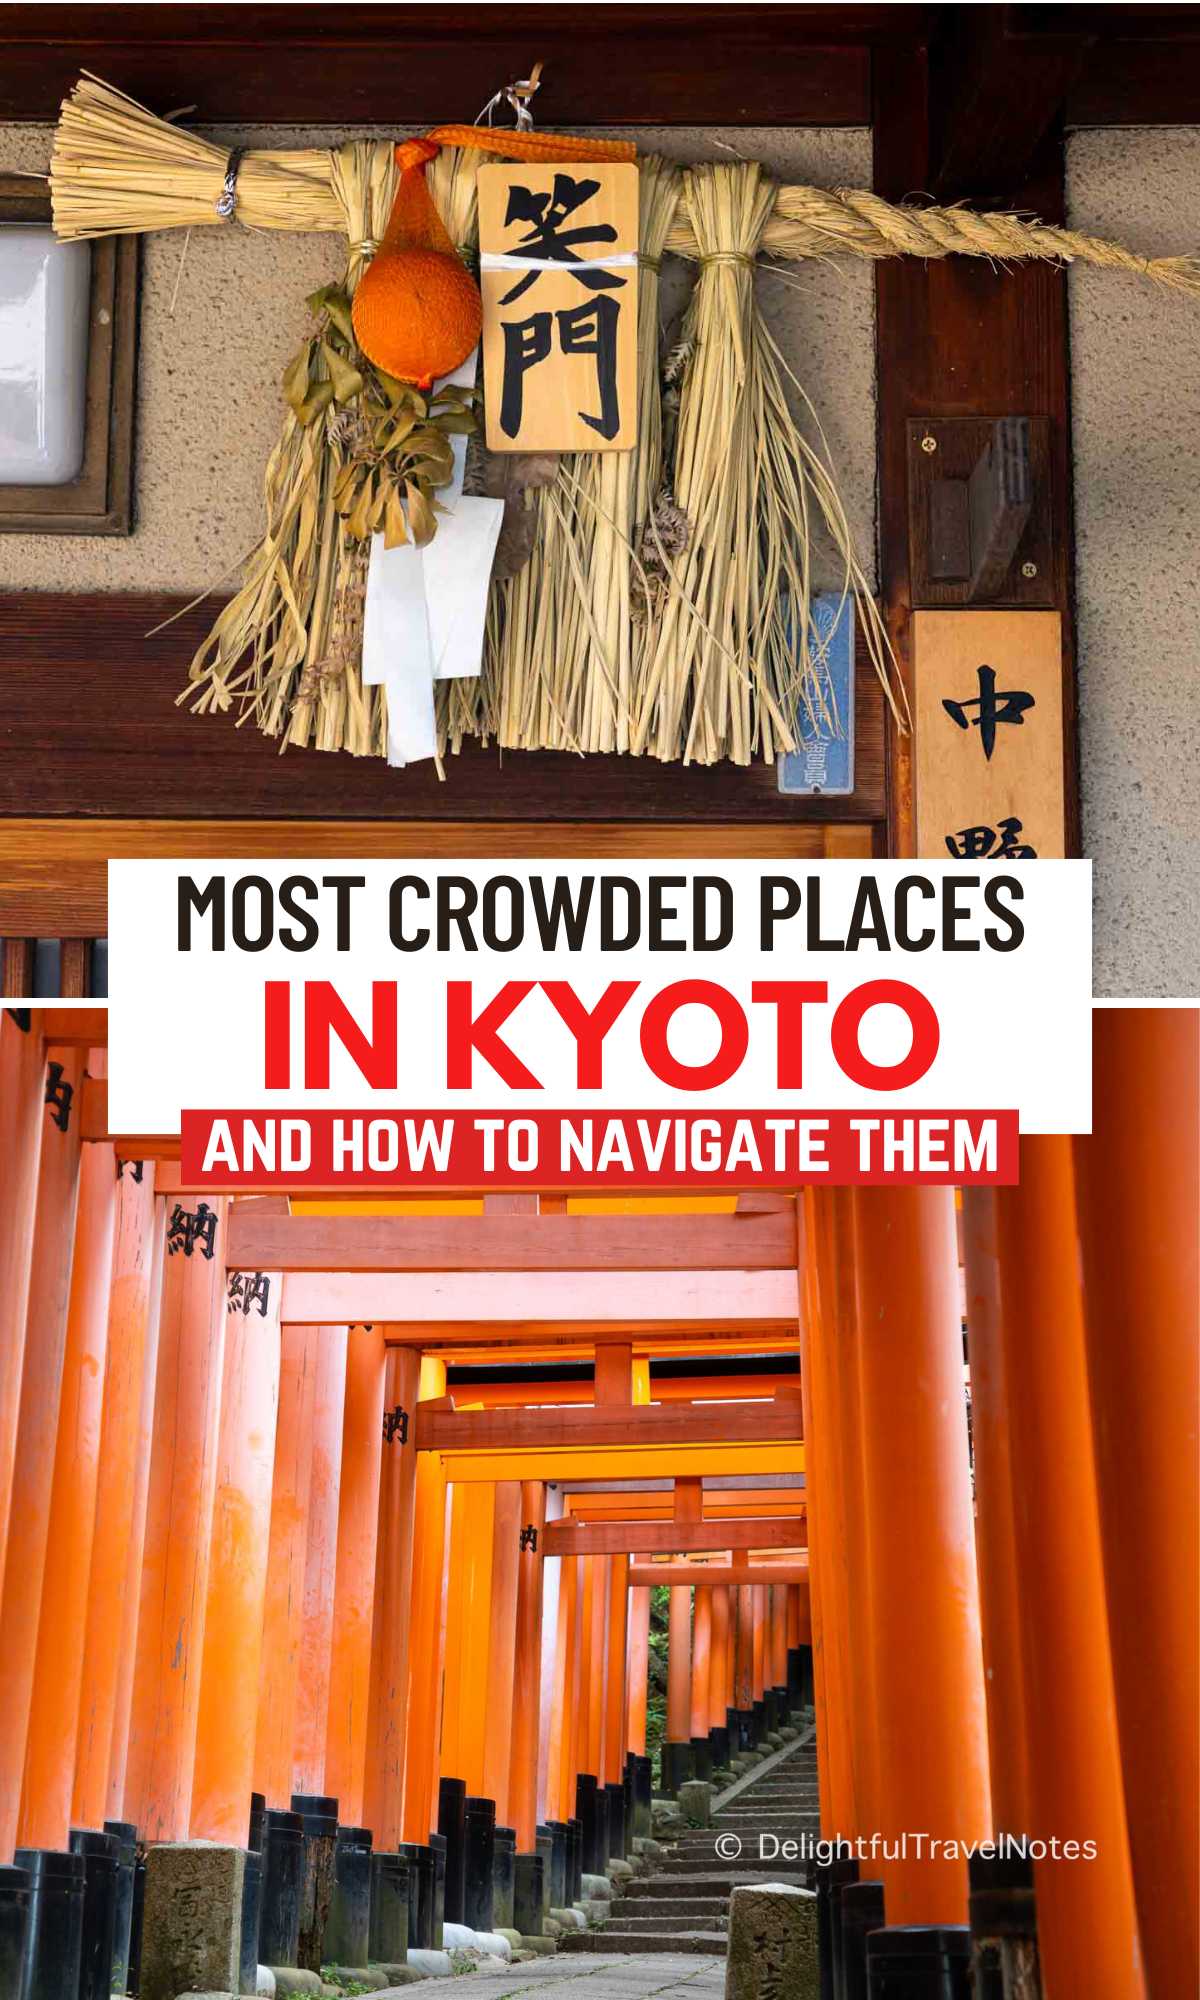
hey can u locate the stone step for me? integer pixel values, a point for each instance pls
(745, 1863)
(751, 1823)
(711, 1863)
(663, 1909)
(795, 1783)
(772, 1792)
(716, 1882)
(783, 1795)
(687, 1943)
(706, 1918)
(664, 1888)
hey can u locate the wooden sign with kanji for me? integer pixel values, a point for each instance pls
(559, 275)
(989, 735)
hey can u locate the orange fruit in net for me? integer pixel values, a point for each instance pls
(417, 311)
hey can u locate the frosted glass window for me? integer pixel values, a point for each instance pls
(44, 292)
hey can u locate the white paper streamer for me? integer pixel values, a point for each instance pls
(425, 608)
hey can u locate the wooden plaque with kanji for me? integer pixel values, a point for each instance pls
(989, 735)
(559, 276)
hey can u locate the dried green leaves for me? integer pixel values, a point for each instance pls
(394, 440)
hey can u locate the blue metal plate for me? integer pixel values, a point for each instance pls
(824, 763)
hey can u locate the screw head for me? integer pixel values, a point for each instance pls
(928, 443)
(1029, 569)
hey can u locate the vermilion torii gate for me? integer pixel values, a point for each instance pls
(309, 1502)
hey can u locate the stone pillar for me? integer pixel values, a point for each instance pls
(191, 1927)
(772, 1944)
(528, 1895)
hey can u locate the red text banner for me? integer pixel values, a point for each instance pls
(597, 1149)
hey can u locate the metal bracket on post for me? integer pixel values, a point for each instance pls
(979, 515)
(975, 524)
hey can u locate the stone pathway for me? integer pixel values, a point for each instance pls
(590, 1976)
(683, 1907)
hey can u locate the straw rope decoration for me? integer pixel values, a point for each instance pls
(664, 609)
(560, 669)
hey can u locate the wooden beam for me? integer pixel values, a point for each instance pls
(650, 1461)
(572, 1537)
(685, 1389)
(491, 1242)
(72, 1027)
(958, 338)
(746, 1503)
(712, 1573)
(550, 1341)
(618, 1302)
(394, 65)
(1137, 80)
(589, 1424)
(96, 760)
(997, 92)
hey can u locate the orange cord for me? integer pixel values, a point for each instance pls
(528, 145)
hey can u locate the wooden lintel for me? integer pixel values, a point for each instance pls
(587, 1425)
(514, 1242)
(714, 1573)
(620, 1461)
(572, 1537)
(353, 64)
(682, 1389)
(479, 1304)
(742, 1503)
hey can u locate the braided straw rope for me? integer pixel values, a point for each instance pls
(819, 222)
(116, 167)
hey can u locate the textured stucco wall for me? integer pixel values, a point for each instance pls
(1135, 354)
(219, 324)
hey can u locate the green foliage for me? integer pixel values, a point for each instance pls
(656, 1683)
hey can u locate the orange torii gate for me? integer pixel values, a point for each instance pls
(267, 1392)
